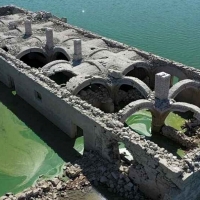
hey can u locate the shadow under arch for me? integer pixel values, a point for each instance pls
(60, 53)
(34, 57)
(94, 90)
(135, 83)
(185, 107)
(59, 71)
(139, 69)
(62, 76)
(81, 82)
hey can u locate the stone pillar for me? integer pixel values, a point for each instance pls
(162, 85)
(77, 50)
(28, 27)
(158, 120)
(49, 38)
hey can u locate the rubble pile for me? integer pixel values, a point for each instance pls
(129, 96)
(95, 95)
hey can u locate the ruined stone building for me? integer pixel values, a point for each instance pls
(83, 82)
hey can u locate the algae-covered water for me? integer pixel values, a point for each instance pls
(141, 123)
(23, 155)
(29, 144)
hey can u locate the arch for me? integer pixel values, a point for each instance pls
(48, 66)
(182, 85)
(136, 64)
(31, 50)
(78, 83)
(73, 38)
(34, 59)
(134, 107)
(60, 53)
(135, 83)
(98, 50)
(184, 107)
(172, 70)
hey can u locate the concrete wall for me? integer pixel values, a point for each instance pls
(51, 106)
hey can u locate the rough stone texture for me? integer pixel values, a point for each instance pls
(162, 84)
(154, 168)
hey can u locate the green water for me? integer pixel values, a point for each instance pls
(30, 145)
(141, 123)
(169, 28)
(23, 155)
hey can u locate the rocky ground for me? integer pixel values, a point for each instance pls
(90, 170)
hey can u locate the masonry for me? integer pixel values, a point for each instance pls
(54, 66)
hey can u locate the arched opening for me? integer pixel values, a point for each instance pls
(34, 59)
(187, 91)
(5, 48)
(60, 56)
(189, 95)
(125, 95)
(62, 77)
(140, 73)
(98, 96)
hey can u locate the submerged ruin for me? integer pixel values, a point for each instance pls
(87, 84)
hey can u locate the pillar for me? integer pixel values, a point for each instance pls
(158, 120)
(49, 38)
(162, 85)
(77, 50)
(28, 28)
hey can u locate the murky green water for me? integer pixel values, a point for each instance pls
(141, 123)
(23, 155)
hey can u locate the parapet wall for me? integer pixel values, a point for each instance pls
(154, 168)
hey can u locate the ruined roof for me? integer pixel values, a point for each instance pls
(97, 55)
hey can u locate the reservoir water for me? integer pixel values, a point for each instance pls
(29, 144)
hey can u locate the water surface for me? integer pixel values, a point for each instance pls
(169, 28)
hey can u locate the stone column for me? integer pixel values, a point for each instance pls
(77, 50)
(158, 120)
(28, 27)
(49, 38)
(162, 85)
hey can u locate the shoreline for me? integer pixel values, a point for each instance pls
(84, 179)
